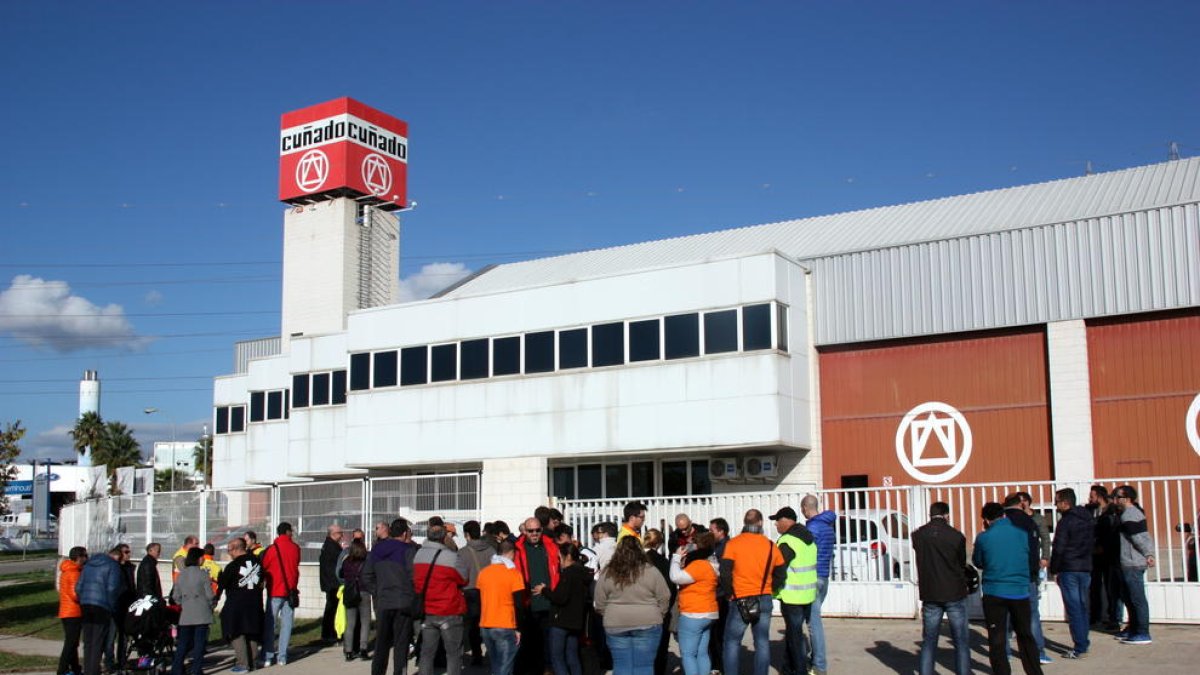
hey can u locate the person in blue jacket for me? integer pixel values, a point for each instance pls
(820, 524)
(98, 589)
(1002, 552)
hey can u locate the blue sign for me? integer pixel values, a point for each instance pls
(46, 477)
(19, 487)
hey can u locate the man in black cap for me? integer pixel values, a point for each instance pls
(795, 585)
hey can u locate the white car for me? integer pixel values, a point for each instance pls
(872, 545)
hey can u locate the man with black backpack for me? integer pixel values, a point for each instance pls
(941, 552)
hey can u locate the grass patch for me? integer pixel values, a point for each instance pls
(21, 577)
(30, 608)
(10, 556)
(18, 663)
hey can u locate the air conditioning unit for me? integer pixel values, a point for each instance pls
(761, 466)
(723, 468)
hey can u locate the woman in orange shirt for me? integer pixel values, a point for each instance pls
(696, 574)
(69, 610)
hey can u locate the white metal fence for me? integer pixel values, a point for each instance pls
(217, 516)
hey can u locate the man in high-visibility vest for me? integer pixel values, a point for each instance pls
(799, 589)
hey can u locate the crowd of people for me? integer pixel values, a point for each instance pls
(540, 601)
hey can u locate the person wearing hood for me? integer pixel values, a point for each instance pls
(1071, 562)
(98, 589)
(388, 578)
(795, 585)
(820, 524)
(69, 611)
(478, 554)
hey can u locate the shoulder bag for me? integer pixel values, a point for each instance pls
(748, 607)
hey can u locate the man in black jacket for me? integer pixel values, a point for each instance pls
(941, 552)
(1071, 561)
(1106, 559)
(387, 577)
(148, 581)
(331, 550)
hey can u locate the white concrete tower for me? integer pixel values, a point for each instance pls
(89, 401)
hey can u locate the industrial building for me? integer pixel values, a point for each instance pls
(1040, 332)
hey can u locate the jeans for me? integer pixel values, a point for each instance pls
(449, 629)
(633, 650)
(1035, 619)
(358, 626)
(735, 628)
(393, 632)
(816, 631)
(1075, 587)
(931, 615)
(277, 607)
(501, 646)
(68, 660)
(1133, 593)
(564, 651)
(192, 641)
(95, 629)
(997, 614)
(693, 639)
(795, 656)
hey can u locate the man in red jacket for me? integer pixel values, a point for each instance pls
(441, 573)
(281, 562)
(537, 561)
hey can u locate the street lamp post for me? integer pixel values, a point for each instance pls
(174, 467)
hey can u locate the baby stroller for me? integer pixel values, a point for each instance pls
(150, 625)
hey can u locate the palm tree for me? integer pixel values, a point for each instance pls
(202, 458)
(167, 480)
(117, 448)
(89, 428)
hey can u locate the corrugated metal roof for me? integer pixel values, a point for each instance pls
(1070, 199)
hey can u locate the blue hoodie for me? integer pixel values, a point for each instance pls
(821, 526)
(100, 582)
(1002, 552)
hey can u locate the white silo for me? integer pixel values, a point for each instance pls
(89, 401)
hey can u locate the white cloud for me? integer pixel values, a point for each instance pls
(45, 314)
(431, 279)
(153, 298)
(54, 443)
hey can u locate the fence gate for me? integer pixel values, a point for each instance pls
(453, 496)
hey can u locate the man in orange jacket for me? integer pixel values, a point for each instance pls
(69, 611)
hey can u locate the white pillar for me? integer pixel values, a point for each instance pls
(513, 488)
(1070, 401)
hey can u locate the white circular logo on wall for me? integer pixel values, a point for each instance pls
(377, 174)
(1193, 417)
(933, 435)
(312, 170)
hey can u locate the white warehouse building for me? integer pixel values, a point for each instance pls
(715, 362)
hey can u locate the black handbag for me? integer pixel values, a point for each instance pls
(417, 610)
(748, 607)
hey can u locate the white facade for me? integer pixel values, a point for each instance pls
(177, 455)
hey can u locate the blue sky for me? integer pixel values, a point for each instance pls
(141, 236)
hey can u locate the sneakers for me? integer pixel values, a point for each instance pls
(1121, 635)
(1045, 659)
(239, 669)
(1074, 654)
(349, 656)
(1140, 639)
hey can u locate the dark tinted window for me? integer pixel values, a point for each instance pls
(616, 480)
(701, 485)
(223, 420)
(756, 327)
(237, 419)
(564, 482)
(506, 356)
(258, 406)
(360, 372)
(444, 363)
(590, 485)
(414, 365)
(720, 332)
(275, 405)
(385, 369)
(643, 479)
(674, 478)
(320, 389)
(683, 336)
(287, 404)
(474, 359)
(300, 390)
(781, 328)
(338, 387)
(539, 352)
(572, 348)
(643, 341)
(608, 344)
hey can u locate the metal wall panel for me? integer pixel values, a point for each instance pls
(1145, 377)
(1134, 262)
(997, 382)
(246, 350)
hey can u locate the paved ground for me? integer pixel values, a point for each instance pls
(856, 647)
(32, 565)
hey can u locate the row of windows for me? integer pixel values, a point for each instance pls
(231, 419)
(677, 336)
(626, 480)
(317, 389)
(269, 405)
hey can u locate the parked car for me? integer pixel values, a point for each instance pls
(872, 545)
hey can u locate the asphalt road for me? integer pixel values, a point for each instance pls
(32, 565)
